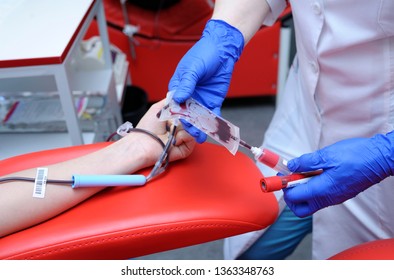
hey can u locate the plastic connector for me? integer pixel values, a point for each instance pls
(83, 181)
(124, 129)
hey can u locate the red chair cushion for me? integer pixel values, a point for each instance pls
(373, 250)
(208, 196)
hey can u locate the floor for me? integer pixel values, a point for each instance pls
(252, 116)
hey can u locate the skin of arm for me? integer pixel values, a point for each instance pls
(135, 151)
(246, 15)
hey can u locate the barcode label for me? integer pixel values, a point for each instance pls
(40, 183)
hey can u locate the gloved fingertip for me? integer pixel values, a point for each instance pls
(285, 194)
(292, 165)
(185, 124)
(185, 88)
(301, 214)
(300, 210)
(216, 109)
(198, 135)
(178, 98)
(201, 137)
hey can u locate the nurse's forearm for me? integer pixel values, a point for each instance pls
(246, 15)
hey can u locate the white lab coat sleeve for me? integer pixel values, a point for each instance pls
(276, 7)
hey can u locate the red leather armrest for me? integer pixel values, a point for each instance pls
(208, 196)
(373, 250)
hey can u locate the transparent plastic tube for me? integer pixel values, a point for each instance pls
(271, 159)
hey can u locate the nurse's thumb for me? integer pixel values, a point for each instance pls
(185, 88)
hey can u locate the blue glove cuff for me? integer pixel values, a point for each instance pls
(228, 39)
(386, 146)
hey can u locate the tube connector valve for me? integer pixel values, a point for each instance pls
(271, 159)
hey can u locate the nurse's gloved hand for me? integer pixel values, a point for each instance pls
(349, 167)
(205, 71)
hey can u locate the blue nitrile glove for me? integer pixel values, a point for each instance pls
(349, 167)
(205, 71)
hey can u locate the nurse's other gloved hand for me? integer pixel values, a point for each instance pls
(205, 71)
(349, 167)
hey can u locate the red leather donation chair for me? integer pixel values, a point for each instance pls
(208, 196)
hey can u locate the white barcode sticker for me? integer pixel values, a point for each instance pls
(40, 182)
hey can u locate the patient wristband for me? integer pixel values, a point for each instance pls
(40, 182)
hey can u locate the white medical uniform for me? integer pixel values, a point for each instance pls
(341, 85)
